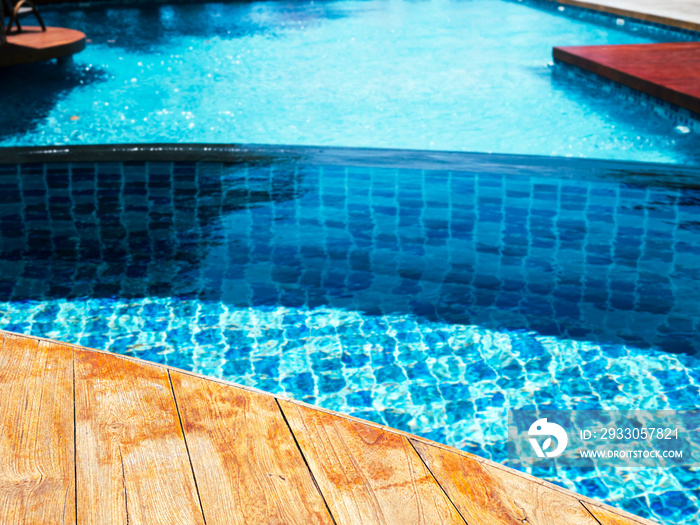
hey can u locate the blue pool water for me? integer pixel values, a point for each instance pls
(441, 75)
(430, 300)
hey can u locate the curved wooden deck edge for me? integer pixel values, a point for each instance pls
(35, 45)
(219, 452)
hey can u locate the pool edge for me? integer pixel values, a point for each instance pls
(585, 502)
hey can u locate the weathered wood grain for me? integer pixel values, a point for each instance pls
(248, 468)
(132, 463)
(367, 475)
(606, 517)
(486, 494)
(37, 482)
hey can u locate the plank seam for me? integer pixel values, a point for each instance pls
(410, 442)
(187, 448)
(126, 499)
(585, 506)
(589, 512)
(308, 467)
(41, 402)
(75, 440)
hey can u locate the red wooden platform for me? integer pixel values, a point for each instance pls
(668, 71)
(34, 45)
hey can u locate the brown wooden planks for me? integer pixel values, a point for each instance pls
(606, 517)
(132, 463)
(247, 465)
(36, 432)
(366, 474)
(487, 494)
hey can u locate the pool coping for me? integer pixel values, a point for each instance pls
(670, 21)
(630, 172)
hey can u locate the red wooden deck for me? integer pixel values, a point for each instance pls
(34, 45)
(669, 71)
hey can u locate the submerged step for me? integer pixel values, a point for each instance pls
(668, 71)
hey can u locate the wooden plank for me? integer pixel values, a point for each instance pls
(367, 475)
(607, 517)
(132, 463)
(247, 465)
(487, 494)
(37, 482)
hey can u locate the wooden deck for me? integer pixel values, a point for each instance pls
(92, 437)
(684, 14)
(34, 45)
(668, 71)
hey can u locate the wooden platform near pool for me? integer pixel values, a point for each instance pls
(93, 437)
(684, 14)
(34, 45)
(668, 71)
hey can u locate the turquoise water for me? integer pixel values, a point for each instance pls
(428, 300)
(439, 75)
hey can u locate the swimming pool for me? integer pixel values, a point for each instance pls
(441, 75)
(427, 291)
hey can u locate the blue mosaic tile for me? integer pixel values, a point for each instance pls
(402, 310)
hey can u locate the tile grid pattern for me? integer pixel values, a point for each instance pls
(679, 116)
(274, 266)
(561, 257)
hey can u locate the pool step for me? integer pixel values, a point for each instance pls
(668, 71)
(101, 438)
